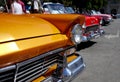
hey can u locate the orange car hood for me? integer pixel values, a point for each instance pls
(23, 37)
(20, 27)
(62, 21)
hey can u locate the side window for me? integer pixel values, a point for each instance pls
(45, 6)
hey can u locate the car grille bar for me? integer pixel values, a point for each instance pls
(92, 28)
(7, 74)
(32, 69)
(29, 70)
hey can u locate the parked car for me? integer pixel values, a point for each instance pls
(88, 13)
(106, 17)
(91, 27)
(40, 48)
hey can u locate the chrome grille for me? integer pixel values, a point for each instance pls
(7, 74)
(33, 68)
(92, 28)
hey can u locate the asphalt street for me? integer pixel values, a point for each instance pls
(102, 56)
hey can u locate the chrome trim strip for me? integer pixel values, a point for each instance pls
(7, 68)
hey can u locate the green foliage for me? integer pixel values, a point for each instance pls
(97, 4)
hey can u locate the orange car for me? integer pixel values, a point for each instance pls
(40, 48)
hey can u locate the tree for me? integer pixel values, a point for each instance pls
(80, 4)
(83, 4)
(96, 4)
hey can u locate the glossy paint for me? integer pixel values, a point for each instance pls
(91, 21)
(62, 21)
(98, 17)
(21, 35)
(33, 35)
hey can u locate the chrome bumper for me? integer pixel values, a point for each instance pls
(92, 35)
(76, 67)
(69, 72)
(31, 69)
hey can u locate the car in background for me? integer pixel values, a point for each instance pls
(87, 12)
(106, 17)
(91, 27)
(53, 8)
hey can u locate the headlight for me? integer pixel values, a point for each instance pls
(76, 34)
(101, 21)
(84, 25)
(110, 18)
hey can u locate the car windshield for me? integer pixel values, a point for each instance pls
(69, 10)
(94, 12)
(57, 7)
(98, 12)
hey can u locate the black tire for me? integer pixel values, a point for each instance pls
(103, 22)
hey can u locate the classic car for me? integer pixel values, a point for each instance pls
(90, 28)
(40, 48)
(88, 13)
(106, 17)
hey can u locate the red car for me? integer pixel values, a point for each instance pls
(90, 28)
(88, 13)
(100, 19)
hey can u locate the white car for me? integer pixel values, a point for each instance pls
(53, 8)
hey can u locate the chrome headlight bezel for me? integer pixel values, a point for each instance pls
(76, 34)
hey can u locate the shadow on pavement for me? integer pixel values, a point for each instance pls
(84, 45)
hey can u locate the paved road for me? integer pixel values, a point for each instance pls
(102, 56)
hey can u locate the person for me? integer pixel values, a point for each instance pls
(28, 7)
(37, 6)
(23, 5)
(16, 7)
